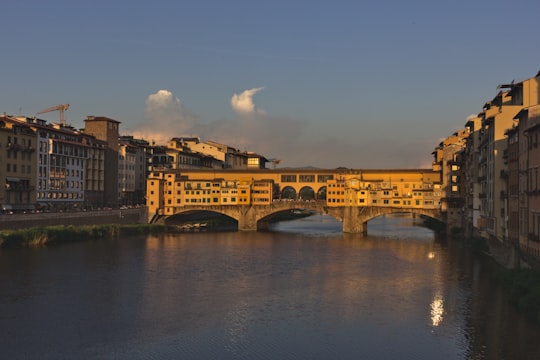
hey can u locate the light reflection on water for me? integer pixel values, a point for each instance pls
(303, 290)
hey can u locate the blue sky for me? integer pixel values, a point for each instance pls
(324, 83)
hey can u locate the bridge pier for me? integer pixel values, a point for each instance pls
(353, 222)
(247, 219)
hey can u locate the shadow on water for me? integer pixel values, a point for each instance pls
(314, 225)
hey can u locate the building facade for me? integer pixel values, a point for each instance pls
(17, 165)
(107, 130)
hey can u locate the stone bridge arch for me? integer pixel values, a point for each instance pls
(199, 215)
(353, 219)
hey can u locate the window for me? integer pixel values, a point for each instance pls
(324, 178)
(307, 178)
(288, 178)
(253, 162)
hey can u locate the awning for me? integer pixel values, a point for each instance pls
(13, 179)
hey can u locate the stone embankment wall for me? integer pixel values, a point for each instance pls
(22, 221)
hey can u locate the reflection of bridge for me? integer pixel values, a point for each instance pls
(252, 197)
(353, 219)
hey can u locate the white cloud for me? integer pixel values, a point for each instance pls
(243, 103)
(165, 117)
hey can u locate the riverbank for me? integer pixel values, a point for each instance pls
(55, 235)
(21, 221)
(522, 285)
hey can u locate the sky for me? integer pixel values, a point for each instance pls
(357, 84)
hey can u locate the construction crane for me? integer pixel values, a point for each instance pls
(59, 108)
(275, 162)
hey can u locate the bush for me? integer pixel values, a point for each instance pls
(523, 287)
(40, 236)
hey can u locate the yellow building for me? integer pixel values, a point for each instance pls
(244, 191)
(420, 190)
(262, 191)
(229, 192)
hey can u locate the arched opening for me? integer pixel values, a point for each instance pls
(306, 193)
(201, 220)
(407, 221)
(321, 193)
(288, 192)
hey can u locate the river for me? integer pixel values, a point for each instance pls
(302, 290)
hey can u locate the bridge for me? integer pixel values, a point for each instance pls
(251, 197)
(258, 217)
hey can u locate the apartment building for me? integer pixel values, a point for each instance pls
(262, 192)
(165, 157)
(512, 178)
(470, 177)
(447, 159)
(420, 190)
(234, 158)
(499, 168)
(169, 189)
(127, 163)
(94, 191)
(227, 157)
(60, 164)
(17, 165)
(107, 130)
(229, 192)
(497, 117)
(528, 137)
(142, 153)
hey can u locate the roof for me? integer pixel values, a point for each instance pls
(100, 118)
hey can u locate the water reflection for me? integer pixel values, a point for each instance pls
(302, 290)
(437, 310)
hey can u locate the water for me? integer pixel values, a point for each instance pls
(302, 291)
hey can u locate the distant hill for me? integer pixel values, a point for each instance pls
(299, 168)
